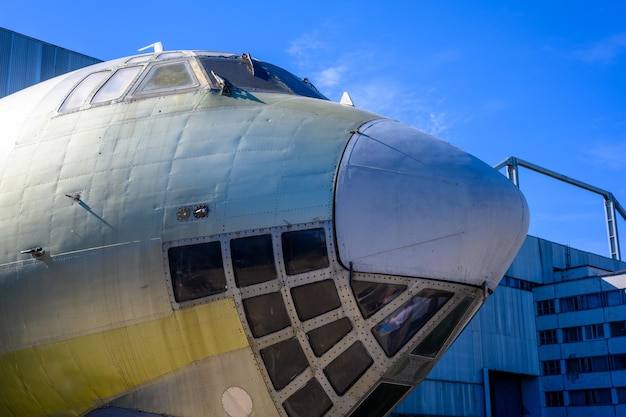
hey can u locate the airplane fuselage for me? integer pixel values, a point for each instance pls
(193, 245)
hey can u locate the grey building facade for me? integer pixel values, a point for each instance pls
(550, 342)
(26, 61)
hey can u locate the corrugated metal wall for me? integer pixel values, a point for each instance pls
(26, 61)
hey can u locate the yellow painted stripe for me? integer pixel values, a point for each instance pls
(76, 374)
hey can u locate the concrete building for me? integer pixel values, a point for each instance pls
(550, 341)
(26, 61)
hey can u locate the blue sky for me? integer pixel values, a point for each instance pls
(541, 80)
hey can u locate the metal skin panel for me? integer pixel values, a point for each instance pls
(437, 203)
(90, 320)
(72, 376)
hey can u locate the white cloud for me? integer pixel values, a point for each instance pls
(330, 77)
(370, 75)
(603, 51)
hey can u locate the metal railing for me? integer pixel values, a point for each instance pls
(611, 205)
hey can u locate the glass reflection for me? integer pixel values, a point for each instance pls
(400, 326)
(372, 296)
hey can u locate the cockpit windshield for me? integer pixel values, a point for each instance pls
(177, 72)
(251, 75)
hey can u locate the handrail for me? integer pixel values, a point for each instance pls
(611, 204)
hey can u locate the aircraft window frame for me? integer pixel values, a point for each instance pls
(139, 59)
(315, 298)
(119, 83)
(394, 331)
(309, 401)
(266, 78)
(284, 361)
(266, 314)
(140, 91)
(348, 367)
(304, 250)
(253, 260)
(83, 91)
(201, 263)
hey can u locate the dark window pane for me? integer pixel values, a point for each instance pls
(264, 77)
(614, 298)
(266, 314)
(551, 367)
(593, 300)
(547, 337)
(600, 364)
(572, 334)
(619, 362)
(371, 296)
(348, 367)
(309, 401)
(618, 328)
(325, 337)
(314, 299)
(253, 260)
(284, 361)
(196, 271)
(304, 250)
(381, 400)
(554, 399)
(546, 307)
(594, 331)
(400, 326)
(432, 343)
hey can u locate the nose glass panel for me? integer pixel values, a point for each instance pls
(409, 204)
(400, 326)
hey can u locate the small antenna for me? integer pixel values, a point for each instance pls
(157, 46)
(346, 100)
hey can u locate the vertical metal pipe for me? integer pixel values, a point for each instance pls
(611, 228)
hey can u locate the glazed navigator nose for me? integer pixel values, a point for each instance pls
(410, 204)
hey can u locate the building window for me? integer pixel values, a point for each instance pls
(616, 297)
(619, 362)
(587, 364)
(551, 367)
(618, 328)
(621, 395)
(594, 331)
(554, 399)
(547, 337)
(581, 302)
(572, 334)
(520, 284)
(545, 307)
(600, 396)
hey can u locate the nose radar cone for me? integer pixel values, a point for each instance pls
(410, 204)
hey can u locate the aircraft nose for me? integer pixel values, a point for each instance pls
(409, 204)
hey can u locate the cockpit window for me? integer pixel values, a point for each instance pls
(116, 85)
(78, 96)
(172, 76)
(251, 75)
